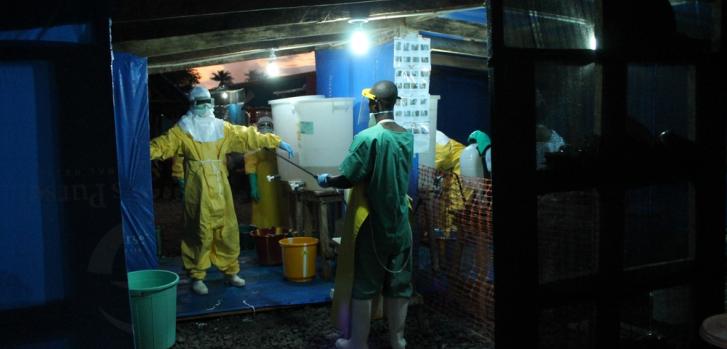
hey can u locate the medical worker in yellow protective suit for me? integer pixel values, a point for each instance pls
(267, 209)
(447, 152)
(376, 245)
(447, 161)
(211, 234)
(178, 174)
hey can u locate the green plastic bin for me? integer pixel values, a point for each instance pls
(153, 296)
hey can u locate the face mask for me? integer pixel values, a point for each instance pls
(372, 119)
(203, 110)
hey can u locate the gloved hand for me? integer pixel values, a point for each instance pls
(285, 146)
(254, 191)
(180, 183)
(323, 180)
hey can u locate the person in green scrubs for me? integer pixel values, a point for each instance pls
(378, 164)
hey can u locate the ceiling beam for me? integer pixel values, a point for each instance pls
(256, 51)
(155, 68)
(243, 37)
(442, 50)
(460, 47)
(136, 11)
(142, 19)
(239, 48)
(460, 62)
(465, 30)
(142, 10)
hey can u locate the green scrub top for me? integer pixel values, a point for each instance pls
(382, 159)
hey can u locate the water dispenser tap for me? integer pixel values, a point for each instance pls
(296, 185)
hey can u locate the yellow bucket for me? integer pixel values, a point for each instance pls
(299, 258)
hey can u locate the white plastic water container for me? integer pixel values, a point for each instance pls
(427, 158)
(471, 162)
(285, 119)
(320, 130)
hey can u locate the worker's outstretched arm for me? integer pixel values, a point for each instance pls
(354, 168)
(244, 139)
(166, 145)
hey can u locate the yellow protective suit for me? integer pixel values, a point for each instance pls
(211, 234)
(270, 211)
(356, 214)
(446, 156)
(178, 167)
(446, 160)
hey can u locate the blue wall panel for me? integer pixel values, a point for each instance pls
(131, 109)
(465, 98)
(69, 33)
(339, 73)
(465, 101)
(31, 264)
(62, 270)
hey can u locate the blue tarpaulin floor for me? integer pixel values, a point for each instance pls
(265, 288)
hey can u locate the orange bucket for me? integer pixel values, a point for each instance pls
(299, 258)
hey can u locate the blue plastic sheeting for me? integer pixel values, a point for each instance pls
(477, 15)
(265, 288)
(58, 194)
(339, 73)
(32, 263)
(131, 109)
(427, 34)
(465, 102)
(70, 33)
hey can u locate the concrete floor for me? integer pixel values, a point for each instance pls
(310, 327)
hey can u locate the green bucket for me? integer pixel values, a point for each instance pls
(153, 296)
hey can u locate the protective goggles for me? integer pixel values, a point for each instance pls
(370, 95)
(202, 101)
(265, 124)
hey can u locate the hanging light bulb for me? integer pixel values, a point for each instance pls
(272, 70)
(360, 42)
(592, 42)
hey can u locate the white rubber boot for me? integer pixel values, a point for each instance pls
(236, 281)
(360, 325)
(199, 287)
(395, 310)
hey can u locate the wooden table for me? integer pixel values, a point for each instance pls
(321, 200)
